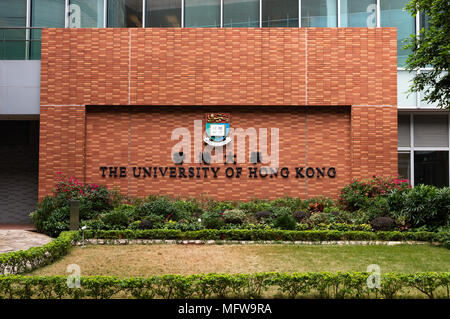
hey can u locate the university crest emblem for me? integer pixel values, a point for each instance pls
(217, 129)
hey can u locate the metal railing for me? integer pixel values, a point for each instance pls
(20, 43)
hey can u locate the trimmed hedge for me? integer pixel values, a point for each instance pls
(261, 234)
(23, 261)
(282, 285)
(28, 260)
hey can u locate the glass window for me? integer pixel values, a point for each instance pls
(45, 14)
(424, 20)
(202, 13)
(358, 13)
(239, 13)
(404, 165)
(319, 13)
(423, 102)
(280, 13)
(431, 168)
(404, 138)
(393, 15)
(404, 81)
(163, 13)
(431, 130)
(125, 13)
(12, 42)
(86, 14)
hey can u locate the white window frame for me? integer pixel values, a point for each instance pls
(411, 149)
(144, 7)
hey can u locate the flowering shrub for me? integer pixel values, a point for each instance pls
(360, 203)
(362, 194)
(72, 188)
(52, 214)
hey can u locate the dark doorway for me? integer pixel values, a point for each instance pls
(19, 153)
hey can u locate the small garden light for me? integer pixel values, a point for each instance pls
(82, 238)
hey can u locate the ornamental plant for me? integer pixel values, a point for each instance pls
(52, 214)
(362, 194)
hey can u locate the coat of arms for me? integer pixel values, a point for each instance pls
(217, 129)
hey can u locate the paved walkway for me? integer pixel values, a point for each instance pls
(19, 239)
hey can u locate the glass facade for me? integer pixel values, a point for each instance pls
(358, 13)
(12, 14)
(45, 14)
(404, 81)
(404, 165)
(163, 13)
(319, 13)
(279, 13)
(125, 14)
(86, 13)
(423, 148)
(431, 168)
(404, 130)
(394, 15)
(424, 21)
(423, 140)
(237, 13)
(202, 13)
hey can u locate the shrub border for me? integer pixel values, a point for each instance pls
(287, 285)
(23, 261)
(268, 235)
(100, 241)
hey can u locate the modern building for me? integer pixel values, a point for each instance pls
(106, 90)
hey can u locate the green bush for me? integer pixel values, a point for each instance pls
(365, 200)
(28, 260)
(222, 206)
(182, 226)
(43, 211)
(233, 216)
(292, 203)
(361, 194)
(188, 208)
(285, 221)
(57, 222)
(338, 226)
(320, 218)
(145, 224)
(157, 221)
(269, 234)
(426, 205)
(280, 211)
(52, 214)
(212, 220)
(116, 219)
(128, 210)
(252, 207)
(282, 285)
(95, 224)
(160, 206)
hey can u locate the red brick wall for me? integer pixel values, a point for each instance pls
(61, 144)
(125, 136)
(234, 69)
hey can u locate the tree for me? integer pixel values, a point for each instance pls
(431, 48)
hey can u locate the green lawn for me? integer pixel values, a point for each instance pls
(146, 260)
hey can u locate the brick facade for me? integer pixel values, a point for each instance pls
(111, 97)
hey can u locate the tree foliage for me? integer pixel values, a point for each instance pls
(431, 48)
